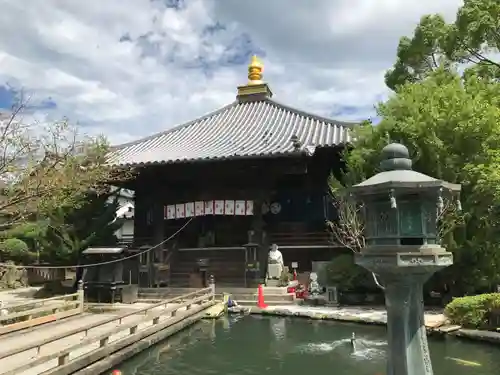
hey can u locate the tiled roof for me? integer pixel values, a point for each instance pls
(242, 129)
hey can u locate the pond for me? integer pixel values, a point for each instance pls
(255, 345)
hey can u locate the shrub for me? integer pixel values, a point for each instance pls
(472, 311)
(345, 274)
(15, 249)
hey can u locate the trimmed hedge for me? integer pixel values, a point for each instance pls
(473, 311)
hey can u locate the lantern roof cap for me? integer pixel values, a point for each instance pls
(396, 172)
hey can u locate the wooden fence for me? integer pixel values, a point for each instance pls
(28, 314)
(89, 344)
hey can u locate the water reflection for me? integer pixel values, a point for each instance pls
(252, 345)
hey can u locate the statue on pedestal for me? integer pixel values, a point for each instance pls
(275, 265)
(314, 287)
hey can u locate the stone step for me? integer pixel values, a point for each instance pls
(235, 290)
(274, 303)
(267, 297)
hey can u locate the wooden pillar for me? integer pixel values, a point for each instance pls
(140, 217)
(260, 237)
(158, 220)
(157, 230)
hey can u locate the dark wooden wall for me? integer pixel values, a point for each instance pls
(259, 178)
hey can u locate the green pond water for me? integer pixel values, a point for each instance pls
(284, 346)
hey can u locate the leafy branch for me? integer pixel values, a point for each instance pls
(43, 166)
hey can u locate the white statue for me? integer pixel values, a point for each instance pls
(3, 312)
(275, 265)
(314, 288)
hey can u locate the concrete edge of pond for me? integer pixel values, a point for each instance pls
(477, 335)
(126, 353)
(315, 315)
(462, 333)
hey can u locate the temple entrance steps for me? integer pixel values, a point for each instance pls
(248, 296)
(179, 279)
(244, 296)
(228, 268)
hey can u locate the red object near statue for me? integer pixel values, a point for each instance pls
(300, 293)
(116, 372)
(260, 298)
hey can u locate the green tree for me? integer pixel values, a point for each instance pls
(345, 274)
(470, 42)
(29, 233)
(14, 249)
(451, 125)
(72, 229)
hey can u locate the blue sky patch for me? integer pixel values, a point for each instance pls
(239, 50)
(48, 103)
(7, 97)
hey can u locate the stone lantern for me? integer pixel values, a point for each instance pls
(401, 210)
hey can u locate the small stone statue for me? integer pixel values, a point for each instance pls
(3, 311)
(314, 287)
(275, 265)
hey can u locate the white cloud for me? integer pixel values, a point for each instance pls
(129, 68)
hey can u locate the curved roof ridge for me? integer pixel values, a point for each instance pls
(312, 115)
(235, 130)
(175, 127)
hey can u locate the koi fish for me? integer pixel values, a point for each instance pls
(464, 362)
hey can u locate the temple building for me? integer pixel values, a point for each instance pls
(248, 175)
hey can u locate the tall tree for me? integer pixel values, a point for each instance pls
(470, 43)
(72, 229)
(451, 124)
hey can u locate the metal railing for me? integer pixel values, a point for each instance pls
(94, 347)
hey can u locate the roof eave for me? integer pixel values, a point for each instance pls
(287, 154)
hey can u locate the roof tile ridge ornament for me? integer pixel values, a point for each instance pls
(255, 89)
(255, 70)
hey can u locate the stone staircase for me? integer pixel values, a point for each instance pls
(248, 296)
(244, 296)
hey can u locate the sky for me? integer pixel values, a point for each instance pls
(131, 68)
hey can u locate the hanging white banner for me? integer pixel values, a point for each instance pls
(226, 207)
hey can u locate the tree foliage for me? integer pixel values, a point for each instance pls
(469, 43)
(71, 230)
(344, 273)
(66, 231)
(451, 125)
(47, 166)
(15, 249)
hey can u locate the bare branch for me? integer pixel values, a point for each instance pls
(348, 228)
(377, 283)
(41, 167)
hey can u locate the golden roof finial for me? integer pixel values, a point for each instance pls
(255, 89)
(255, 69)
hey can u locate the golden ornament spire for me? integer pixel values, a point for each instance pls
(255, 89)
(255, 69)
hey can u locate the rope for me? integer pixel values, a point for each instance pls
(107, 262)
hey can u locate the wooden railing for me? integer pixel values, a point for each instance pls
(302, 239)
(88, 348)
(126, 240)
(29, 314)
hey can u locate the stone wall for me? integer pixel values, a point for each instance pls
(12, 277)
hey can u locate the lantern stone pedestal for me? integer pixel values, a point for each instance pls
(401, 209)
(403, 274)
